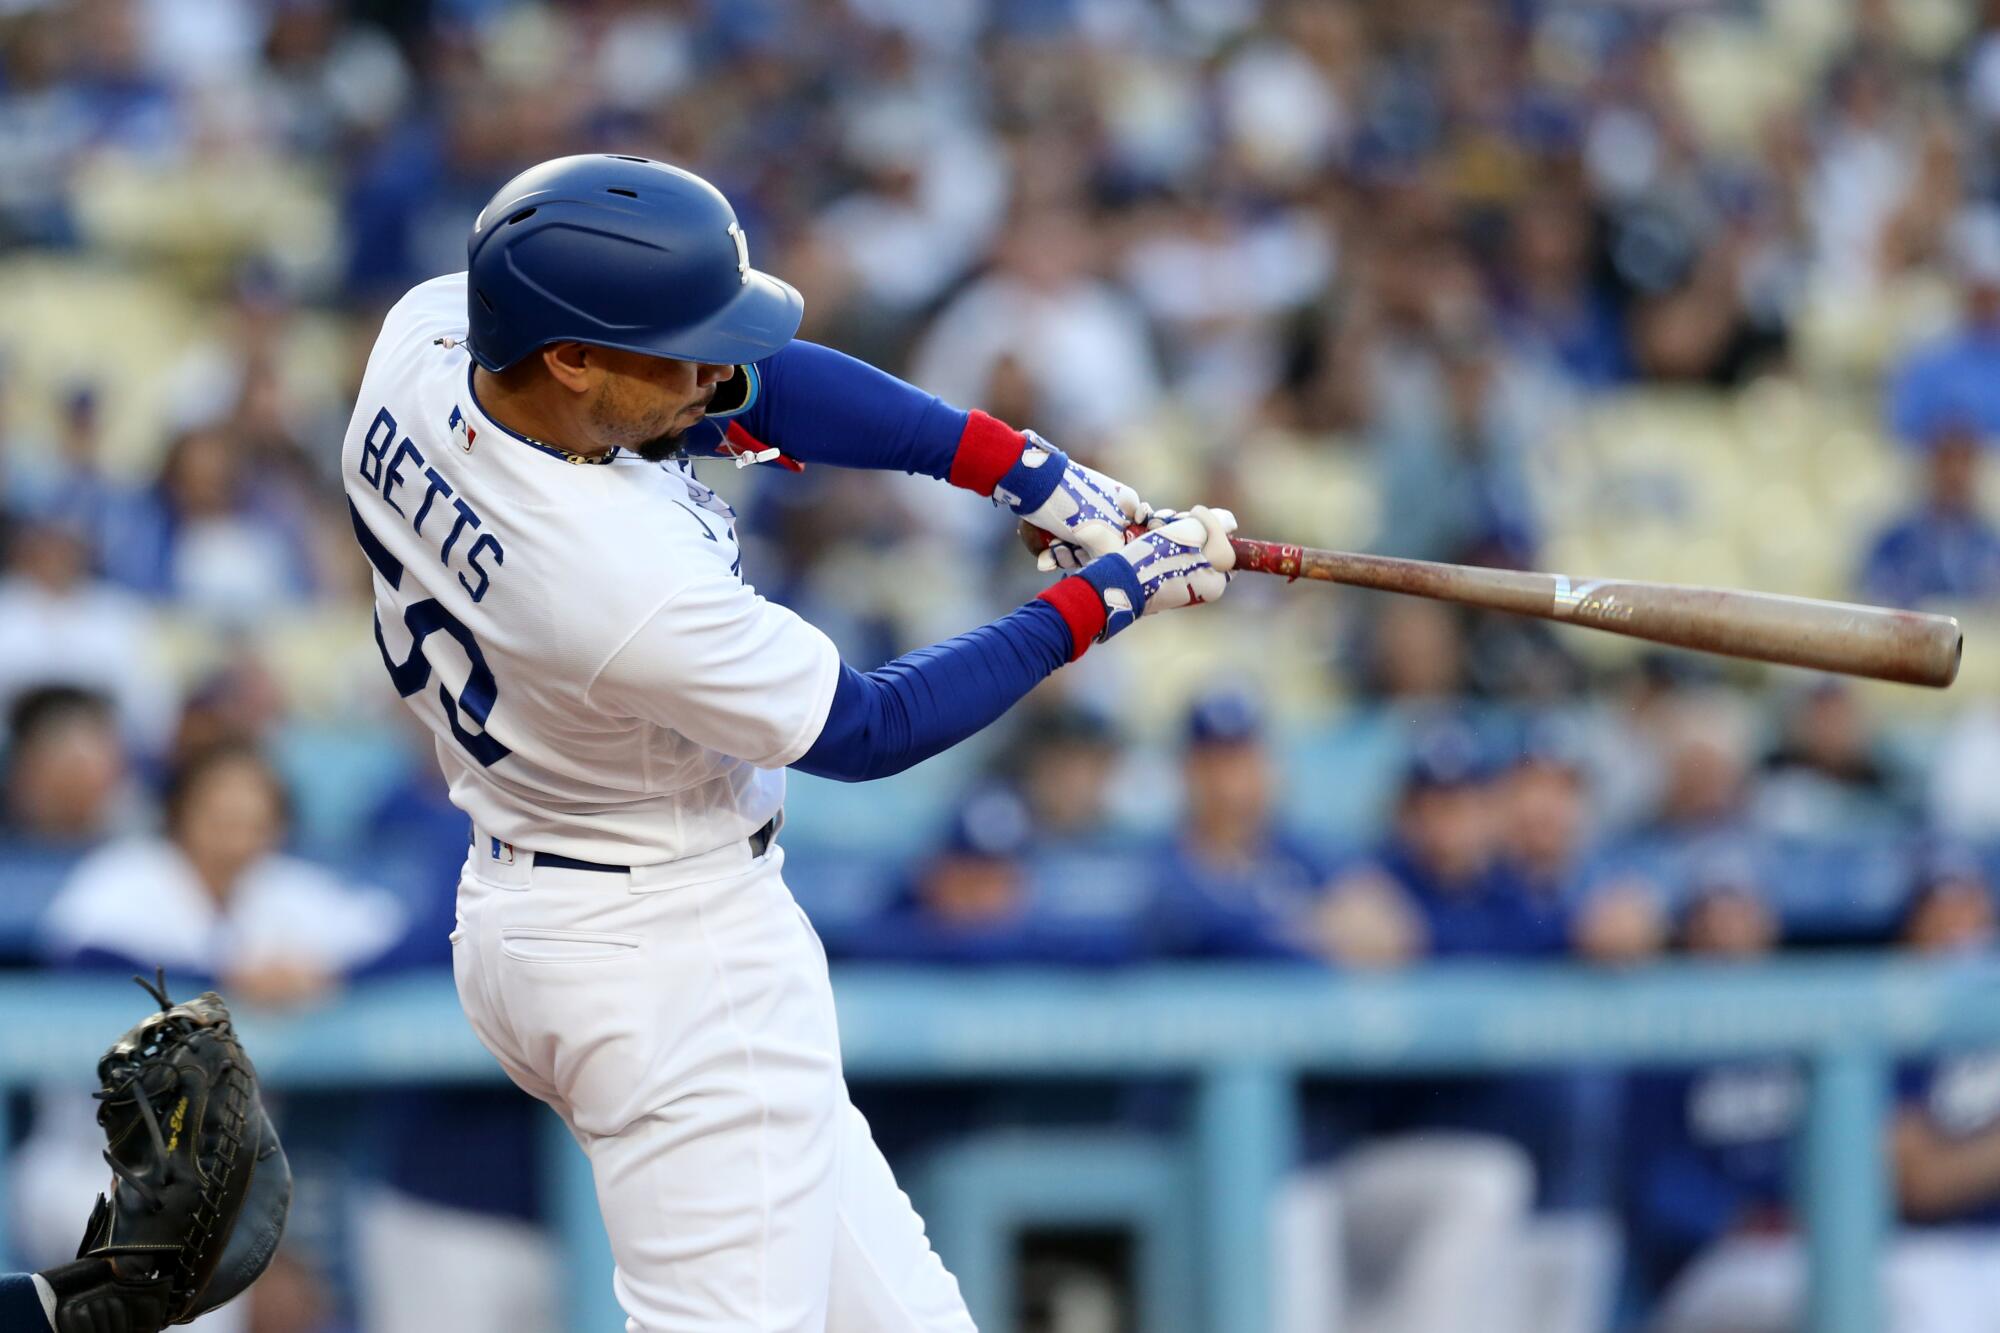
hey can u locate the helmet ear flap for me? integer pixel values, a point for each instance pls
(734, 395)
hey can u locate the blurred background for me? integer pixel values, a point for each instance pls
(1690, 290)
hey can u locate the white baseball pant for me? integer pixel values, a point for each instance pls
(680, 1019)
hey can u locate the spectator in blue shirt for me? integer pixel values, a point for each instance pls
(974, 903)
(975, 900)
(1486, 889)
(1235, 884)
(1710, 1148)
(1944, 548)
(1945, 1144)
(1951, 385)
(70, 481)
(214, 539)
(1548, 861)
(1444, 854)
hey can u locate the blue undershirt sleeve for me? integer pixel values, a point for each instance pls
(927, 701)
(822, 406)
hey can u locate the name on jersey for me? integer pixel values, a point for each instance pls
(397, 471)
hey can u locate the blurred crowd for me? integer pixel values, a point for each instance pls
(1374, 275)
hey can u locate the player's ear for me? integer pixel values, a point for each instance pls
(569, 365)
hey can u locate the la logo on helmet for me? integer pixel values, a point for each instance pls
(742, 252)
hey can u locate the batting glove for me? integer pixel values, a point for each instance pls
(1183, 560)
(1086, 512)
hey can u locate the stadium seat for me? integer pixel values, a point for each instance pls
(980, 1194)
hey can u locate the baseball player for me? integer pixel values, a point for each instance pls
(563, 603)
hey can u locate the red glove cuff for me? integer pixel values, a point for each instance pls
(988, 448)
(1082, 609)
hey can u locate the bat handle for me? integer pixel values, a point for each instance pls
(1038, 541)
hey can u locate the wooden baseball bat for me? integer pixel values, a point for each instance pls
(1906, 646)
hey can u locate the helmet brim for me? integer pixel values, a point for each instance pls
(762, 318)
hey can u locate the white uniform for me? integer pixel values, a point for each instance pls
(604, 688)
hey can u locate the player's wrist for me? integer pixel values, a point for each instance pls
(1017, 467)
(988, 449)
(1035, 476)
(1116, 582)
(1081, 606)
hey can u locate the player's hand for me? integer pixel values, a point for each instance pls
(1087, 514)
(1182, 560)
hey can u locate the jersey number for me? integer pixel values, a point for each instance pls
(422, 619)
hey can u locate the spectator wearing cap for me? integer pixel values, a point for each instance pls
(1943, 547)
(1449, 854)
(1235, 884)
(1944, 1143)
(1547, 855)
(1443, 853)
(974, 901)
(1709, 1149)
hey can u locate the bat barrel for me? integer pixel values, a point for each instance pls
(1905, 646)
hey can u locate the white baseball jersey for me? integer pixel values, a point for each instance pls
(578, 636)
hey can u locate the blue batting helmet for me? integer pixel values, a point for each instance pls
(619, 252)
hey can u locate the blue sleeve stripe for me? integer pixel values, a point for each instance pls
(927, 701)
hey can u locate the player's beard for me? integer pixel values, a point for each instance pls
(661, 447)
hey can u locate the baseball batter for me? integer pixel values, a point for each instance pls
(563, 603)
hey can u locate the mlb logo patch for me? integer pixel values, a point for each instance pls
(461, 429)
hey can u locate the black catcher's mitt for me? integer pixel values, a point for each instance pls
(202, 1186)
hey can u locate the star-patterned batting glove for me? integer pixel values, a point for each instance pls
(1086, 512)
(1183, 560)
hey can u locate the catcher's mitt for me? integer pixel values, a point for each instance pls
(202, 1186)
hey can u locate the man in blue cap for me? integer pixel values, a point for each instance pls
(1236, 884)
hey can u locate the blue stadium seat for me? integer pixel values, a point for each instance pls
(30, 878)
(337, 778)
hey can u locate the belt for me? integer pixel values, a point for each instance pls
(760, 842)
